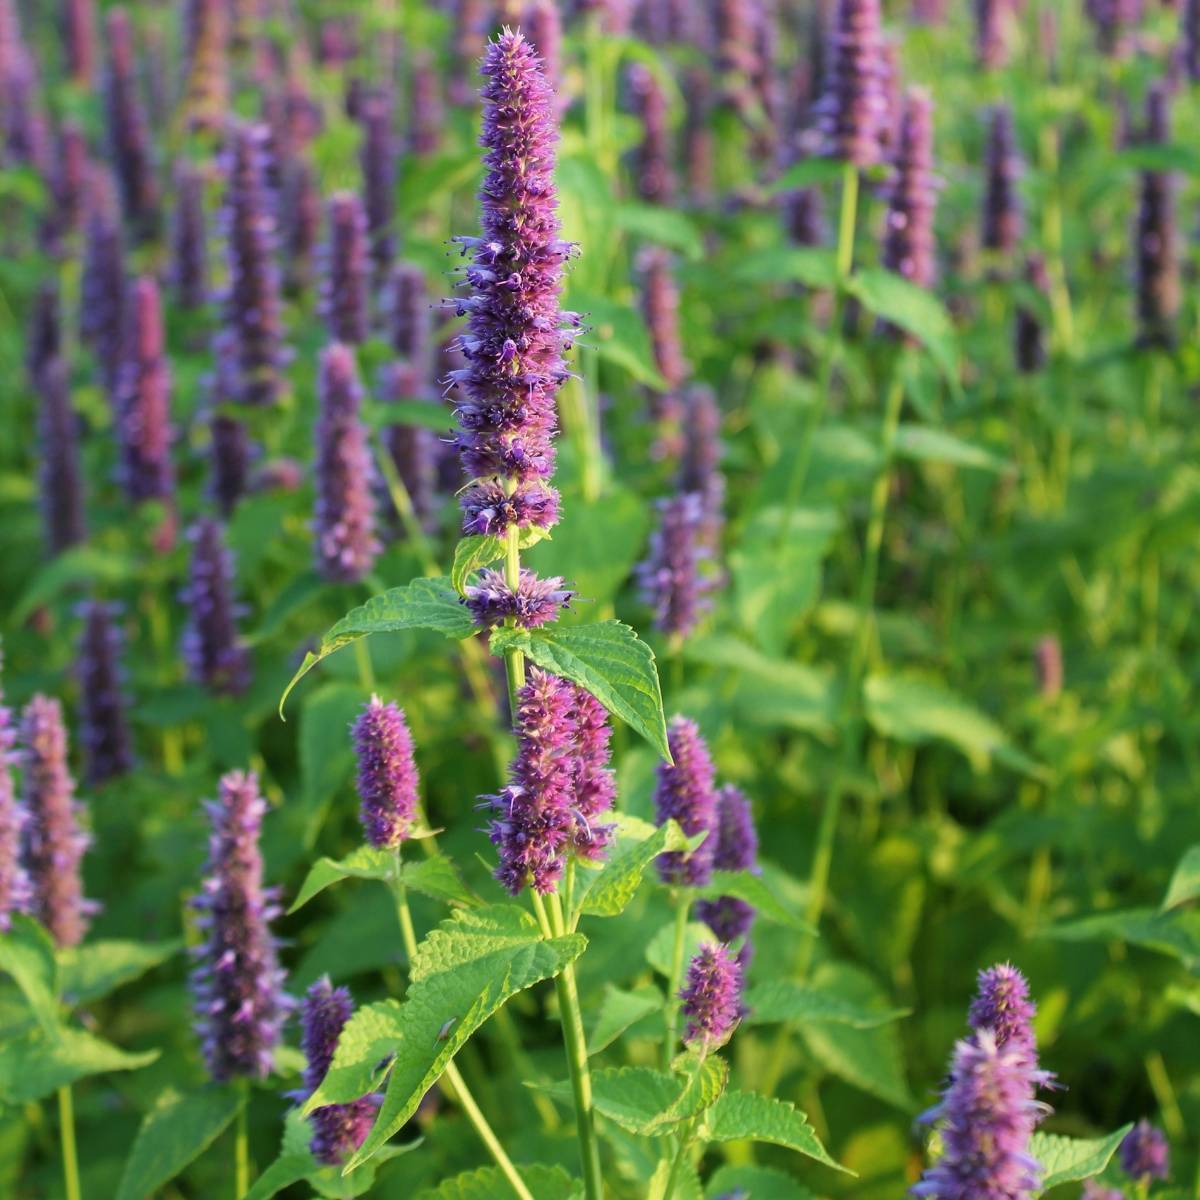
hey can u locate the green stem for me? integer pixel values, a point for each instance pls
(682, 909)
(577, 1062)
(362, 657)
(241, 1149)
(460, 1093)
(685, 1140)
(66, 1133)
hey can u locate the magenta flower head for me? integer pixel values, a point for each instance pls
(345, 280)
(909, 246)
(237, 982)
(712, 998)
(535, 602)
(736, 849)
(345, 510)
(699, 466)
(212, 649)
(54, 843)
(670, 578)
(595, 784)
(338, 1129)
(1144, 1153)
(251, 305)
(104, 728)
(387, 774)
(852, 109)
(129, 143)
(654, 177)
(515, 336)
(1002, 1005)
(16, 894)
(189, 239)
(79, 38)
(991, 32)
(686, 793)
(300, 222)
(60, 477)
(70, 177)
(986, 1117)
(660, 308)
(1002, 221)
(102, 281)
(1156, 267)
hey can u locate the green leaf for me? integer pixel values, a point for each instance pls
(620, 1011)
(479, 550)
(437, 877)
(739, 1116)
(462, 973)
(923, 444)
(487, 1183)
(606, 892)
(912, 309)
(665, 226)
(97, 968)
(662, 945)
(779, 1000)
(364, 863)
(1185, 882)
(813, 267)
(36, 1063)
(78, 565)
(180, 1127)
(363, 1055)
(760, 1183)
(1160, 156)
(809, 172)
(643, 1100)
(1175, 933)
(1068, 1160)
(618, 334)
(609, 660)
(27, 954)
(424, 414)
(422, 604)
(744, 885)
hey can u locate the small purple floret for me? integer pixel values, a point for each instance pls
(535, 602)
(712, 998)
(1144, 1153)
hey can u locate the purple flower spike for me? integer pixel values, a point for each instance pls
(488, 509)
(699, 467)
(102, 283)
(699, 151)
(712, 998)
(909, 247)
(378, 163)
(653, 176)
(1157, 262)
(189, 241)
(516, 335)
(991, 32)
(251, 307)
(59, 474)
(1002, 1005)
(129, 143)
(230, 449)
(686, 794)
(1116, 24)
(300, 223)
(736, 850)
(206, 63)
(986, 1118)
(1189, 35)
(1002, 222)
(211, 648)
(237, 983)
(535, 602)
(1048, 661)
(338, 1129)
(345, 510)
(1029, 341)
(670, 578)
(595, 784)
(143, 400)
(104, 729)
(1144, 1153)
(79, 38)
(852, 109)
(345, 283)
(16, 894)
(406, 311)
(70, 178)
(43, 341)
(54, 843)
(660, 307)
(387, 774)
(427, 120)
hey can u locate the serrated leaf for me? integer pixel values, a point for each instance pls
(609, 660)
(479, 550)
(641, 1100)
(704, 1079)
(747, 886)
(739, 1116)
(912, 309)
(756, 1183)
(778, 1000)
(180, 1127)
(364, 863)
(1067, 1160)
(606, 892)
(924, 444)
(27, 955)
(1185, 882)
(619, 1011)
(423, 604)
(36, 1063)
(488, 1183)
(94, 969)
(463, 972)
(437, 877)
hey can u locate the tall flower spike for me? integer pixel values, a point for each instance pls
(211, 648)
(909, 246)
(387, 774)
(102, 282)
(104, 730)
(698, 140)
(1002, 1005)
(699, 467)
(70, 178)
(1029, 340)
(1144, 1153)
(1002, 223)
(189, 239)
(345, 280)
(670, 579)
(206, 62)
(251, 308)
(852, 108)
(660, 308)
(377, 158)
(427, 118)
(653, 174)
(129, 143)
(685, 793)
(711, 998)
(338, 1129)
(736, 850)
(300, 222)
(54, 843)
(237, 983)
(1116, 24)
(230, 449)
(406, 310)
(595, 784)
(79, 38)
(43, 341)
(1189, 38)
(26, 131)
(515, 336)
(345, 506)
(16, 895)
(991, 33)
(1157, 262)
(59, 474)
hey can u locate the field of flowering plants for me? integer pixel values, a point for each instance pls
(596, 599)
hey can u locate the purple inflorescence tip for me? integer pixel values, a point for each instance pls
(345, 508)
(16, 894)
(670, 578)
(654, 177)
(686, 793)
(387, 774)
(1156, 244)
(338, 1129)
(59, 474)
(189, 239)
(660, 308)
(712, 998)
(211, 648)
(909, 247)
(1002, 1005)
(1029, 341)
(345, 282)
(699, 466)
(53, 842)
(736, 850)
(535, 602)
(251, 305)
(1144, 1153)
(237, 983)
(991, 32)
(1002, 220)
(129, 142)
(515, 336)
(143, 400)
(378, 163)
(104, 730)
(852, 108)
(102, 283)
